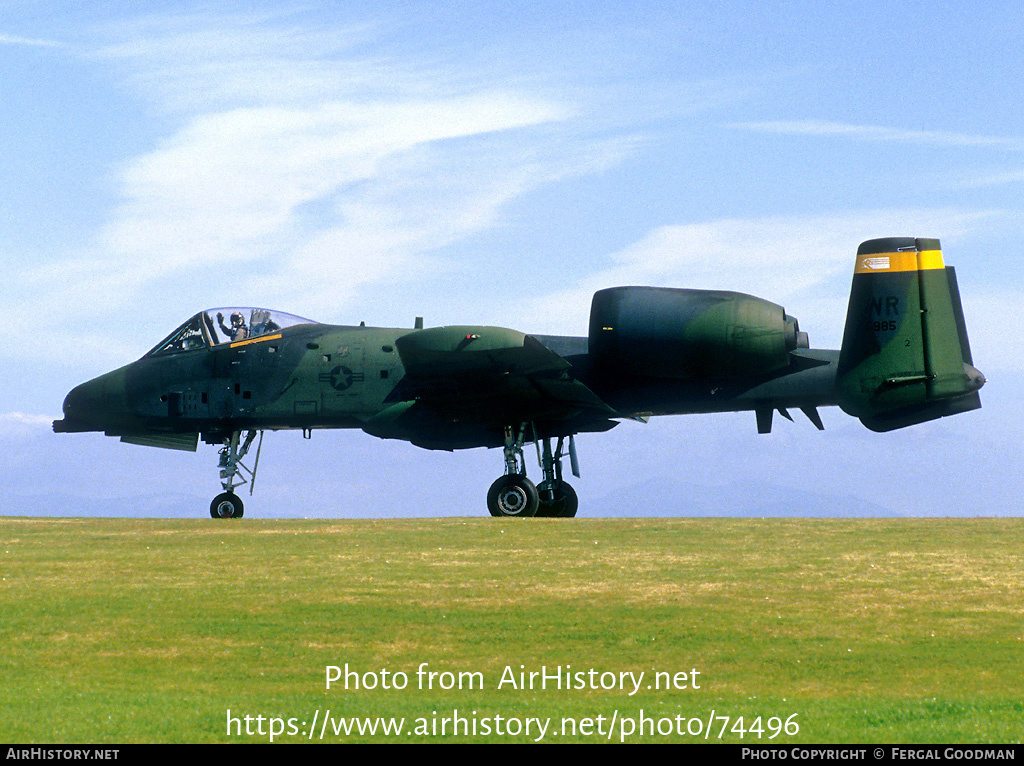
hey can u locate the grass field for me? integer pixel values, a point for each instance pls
(881, 630)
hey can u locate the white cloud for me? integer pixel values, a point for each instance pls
(293, 171)
(879, 133)
(229, 185)
(19, 424)
(29, 41)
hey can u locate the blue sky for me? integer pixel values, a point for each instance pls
(496, 163)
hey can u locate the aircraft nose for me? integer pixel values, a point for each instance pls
(82, 401)
(95, 405)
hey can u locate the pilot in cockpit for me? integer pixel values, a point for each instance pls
(238, 329)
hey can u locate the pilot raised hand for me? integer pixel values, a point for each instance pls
(238, 329)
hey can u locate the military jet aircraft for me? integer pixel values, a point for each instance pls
(226, 375)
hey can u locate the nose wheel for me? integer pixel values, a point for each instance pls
(227, 505)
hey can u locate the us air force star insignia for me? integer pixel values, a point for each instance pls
(341, 378)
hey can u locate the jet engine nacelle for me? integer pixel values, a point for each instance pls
(677, 333)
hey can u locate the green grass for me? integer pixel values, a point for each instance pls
(118, 630)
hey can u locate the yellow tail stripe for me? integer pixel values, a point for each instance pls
(900, 261)
(931, 259)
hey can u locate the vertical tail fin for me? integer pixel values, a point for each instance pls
(905, 357)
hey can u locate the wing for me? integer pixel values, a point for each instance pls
(464, 385)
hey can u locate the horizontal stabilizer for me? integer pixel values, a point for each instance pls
(916, 415)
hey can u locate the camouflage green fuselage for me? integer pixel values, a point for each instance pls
(320, 376)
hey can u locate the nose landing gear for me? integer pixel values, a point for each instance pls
(227, 505)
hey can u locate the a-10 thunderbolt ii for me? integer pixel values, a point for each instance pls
(226, 375)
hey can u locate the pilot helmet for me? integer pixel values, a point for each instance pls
(237, 318)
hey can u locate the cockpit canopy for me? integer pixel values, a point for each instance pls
(215, 327)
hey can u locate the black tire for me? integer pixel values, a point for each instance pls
(513, 495)
(227, 505)
(565, 504)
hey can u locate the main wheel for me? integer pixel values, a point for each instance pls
(512, 495)
(565, 504)
(227, 505)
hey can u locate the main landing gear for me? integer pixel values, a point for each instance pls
(227, 505)
(515, 495)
